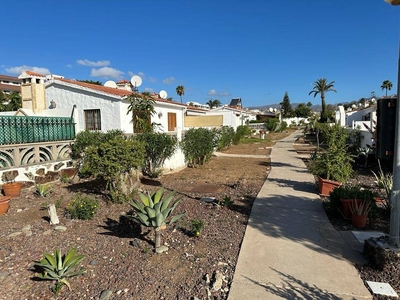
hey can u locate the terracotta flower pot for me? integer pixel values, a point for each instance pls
(12, 189)
(4, 204)
(346, 204)
(326, 186)
(359, 220)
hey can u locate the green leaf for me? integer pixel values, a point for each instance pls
(150, 212)
(51, 259)
(176, 218)
(144, 219)
(57, 254)
(159, 219)
(144, 199)
(157, 196)
(66, 283)
(70, 255)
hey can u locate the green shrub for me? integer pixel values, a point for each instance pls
(241, 132)
(158, 147)
(283, 126)
(114, 161)
(272, 124)
(198, 145)
(335, 163)
(226, 135)
(197, 227)
(82, 207)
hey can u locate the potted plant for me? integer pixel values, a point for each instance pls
(4, 204)
(11, 187)
(332, 166)
(360, 212)
(343, 197)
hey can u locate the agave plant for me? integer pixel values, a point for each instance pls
(59, 267)
(153, 211)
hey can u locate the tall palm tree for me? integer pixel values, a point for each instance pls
(213, 103)
(321, 86)
(386, 85)
(180, 91)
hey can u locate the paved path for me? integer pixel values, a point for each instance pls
(290, 250)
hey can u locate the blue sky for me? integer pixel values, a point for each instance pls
(216, 49)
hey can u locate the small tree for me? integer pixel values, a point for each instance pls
(386, 85)
(286, 107)
(180, 91)
(142, 108)
(158, 147)
(198, 145)
(154, 210)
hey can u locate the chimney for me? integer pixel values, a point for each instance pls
(33, 91)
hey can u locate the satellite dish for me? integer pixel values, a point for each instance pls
(271, 109)
(110, 84)
(136, 81)
(275, 109)
(163, 94)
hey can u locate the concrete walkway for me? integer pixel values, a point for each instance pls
(290, 250)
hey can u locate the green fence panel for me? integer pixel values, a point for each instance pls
(21, 130)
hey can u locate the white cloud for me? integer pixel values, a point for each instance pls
(107, 72)
(152, 80)
(130, 73)
(20, 69)
(88, 63)
(213, 92)
(169, 80)
(69, 66)
(141, 74)
(150, 90)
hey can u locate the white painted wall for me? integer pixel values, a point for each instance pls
(161, 116)
(110, 107)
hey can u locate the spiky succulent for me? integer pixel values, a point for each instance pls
(153, 210)
(59, 267)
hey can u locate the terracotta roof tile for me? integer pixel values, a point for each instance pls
(34, 74)
(96, 87)
(123, 81)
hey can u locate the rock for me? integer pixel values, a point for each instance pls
(3, 275)
(93, 263)
(105, 295)
(162, 249)
(47, 232)
(60, 228)
(14, 234)
(218, 280)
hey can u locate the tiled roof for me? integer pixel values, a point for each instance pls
(9, 78)
(34, 74)
(10, 87)
(96, 87)
(123, 81)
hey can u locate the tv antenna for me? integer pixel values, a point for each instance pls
(163, 94)
(136, 82)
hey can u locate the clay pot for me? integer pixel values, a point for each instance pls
(346, 203)
(12, 189)
(326, 186)
(4, 204)
(359, 220)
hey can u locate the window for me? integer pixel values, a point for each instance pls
(171, 121)
(92, 119)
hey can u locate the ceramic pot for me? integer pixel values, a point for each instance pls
(326, 186)
(12, 189)
(4, 204)
(346, 204)
(359, 220)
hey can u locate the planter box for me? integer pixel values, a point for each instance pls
(12, 189)
(326, 186)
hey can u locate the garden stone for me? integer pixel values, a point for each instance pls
(162, 249)
(53, 214)
(219, 278)
(14, 234)
(105, 295)
(60, 228)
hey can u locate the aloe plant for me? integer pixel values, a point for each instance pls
(154, 210)
(59, 267)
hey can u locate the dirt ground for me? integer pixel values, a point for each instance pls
(120, 254)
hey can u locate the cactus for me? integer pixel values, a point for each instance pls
(154, 210)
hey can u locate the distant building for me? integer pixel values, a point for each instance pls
(9, 84)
